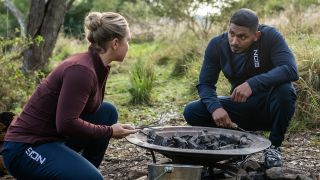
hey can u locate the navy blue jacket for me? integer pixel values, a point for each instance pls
(268, 62)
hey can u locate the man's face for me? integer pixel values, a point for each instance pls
(240, 38)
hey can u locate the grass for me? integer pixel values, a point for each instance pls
(142, 81)
(174, 92)
(168, 93)
(184, 55)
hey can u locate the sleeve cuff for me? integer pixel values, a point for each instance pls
(212, 107)
(252, 83)
(110, 132)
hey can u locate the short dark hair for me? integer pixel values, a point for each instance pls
(245, 17)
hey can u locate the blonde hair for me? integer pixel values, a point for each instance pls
(103, 27)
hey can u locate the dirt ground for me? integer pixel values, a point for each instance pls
(124, 160)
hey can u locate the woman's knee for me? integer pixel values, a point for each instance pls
(111, 110)
(106, 115)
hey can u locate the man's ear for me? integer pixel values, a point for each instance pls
(257, 35)
(115, 43)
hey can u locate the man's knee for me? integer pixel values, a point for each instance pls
(285, 94)
(195, 113)
(187, 113)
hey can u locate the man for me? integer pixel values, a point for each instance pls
(260, 67)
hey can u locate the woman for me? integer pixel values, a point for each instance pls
(66, 115)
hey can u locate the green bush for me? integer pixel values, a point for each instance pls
(73, 21)
(142, 79)
(64, 48)
(16, 87)
(307, 108)
(189, 54)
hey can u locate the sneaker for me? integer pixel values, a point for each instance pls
(272, 157)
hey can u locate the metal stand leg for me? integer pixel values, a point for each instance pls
(153, 157)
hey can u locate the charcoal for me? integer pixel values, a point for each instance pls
(161, 141)
(202, 141)
(213, 145)
(223, 143)
(244, 140)
(193, 145)
(228, 146)
(229, 139)
(181, 143)
(213, 138)
(152, 134)
(186, 137)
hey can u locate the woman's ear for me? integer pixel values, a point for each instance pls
(115, 43)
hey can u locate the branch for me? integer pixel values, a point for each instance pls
(17, 14)
(69, 4)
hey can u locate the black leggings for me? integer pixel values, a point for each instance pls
(61, 160)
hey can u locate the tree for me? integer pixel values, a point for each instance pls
(73, 22)
(17, 14)
(186, 11)
(44, 20)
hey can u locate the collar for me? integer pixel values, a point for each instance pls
(101, 70)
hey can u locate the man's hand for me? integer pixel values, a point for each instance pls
(241, 93)
(122, 130)
(222, 119)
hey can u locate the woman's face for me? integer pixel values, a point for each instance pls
(123, 46)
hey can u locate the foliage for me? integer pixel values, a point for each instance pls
(9, 22)
(177, 59)
(136, 12)
(74, 19)
(307, 108)
(189, 49)
(142, 81)
(15, 86)
(185, 11)
(306, 48)
(65, 47)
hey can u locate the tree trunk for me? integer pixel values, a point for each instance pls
(45, 20)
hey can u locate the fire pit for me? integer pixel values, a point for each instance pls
(196, 156)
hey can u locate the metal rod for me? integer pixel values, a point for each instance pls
(153, 157)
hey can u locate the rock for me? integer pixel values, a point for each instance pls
(285, 173)
(303, 177)
(251, 166)
(241, 172)
(142, 178)
(136, 173)
(253, 175)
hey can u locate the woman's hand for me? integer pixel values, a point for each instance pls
(122, 130)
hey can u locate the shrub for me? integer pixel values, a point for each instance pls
(185, 61)
(142, 79)
(15, 86)
(307, 108)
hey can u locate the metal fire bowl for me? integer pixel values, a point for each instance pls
(195, 156)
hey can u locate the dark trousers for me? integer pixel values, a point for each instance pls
(269, 111)
(61, 160)
(94, 149)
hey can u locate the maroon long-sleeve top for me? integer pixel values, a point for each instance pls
(52, 113)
